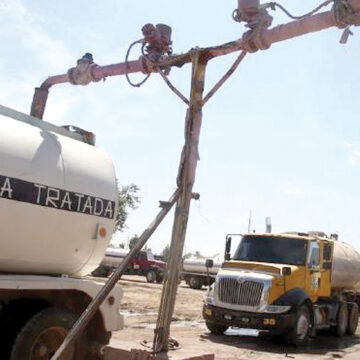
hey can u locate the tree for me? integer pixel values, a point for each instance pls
(166, 253)
(128, 200)
(133, 241)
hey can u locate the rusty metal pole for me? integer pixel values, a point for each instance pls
(186, 181)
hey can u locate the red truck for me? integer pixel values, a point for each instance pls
(143, 264)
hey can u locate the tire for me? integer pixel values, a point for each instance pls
(342, 320)
(195, 282)
(353, 319)
(101, 271)
(159, 278)
(13, 317)
(301, 330)
(43, 334)
(216, 329)
(151, 276)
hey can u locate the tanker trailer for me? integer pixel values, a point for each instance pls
(290, 285)
(58, 198)
(196, 273)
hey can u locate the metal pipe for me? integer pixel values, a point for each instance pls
(297, 28)
(188, 166)
(97, 72)
(263, 40)
(90, 311)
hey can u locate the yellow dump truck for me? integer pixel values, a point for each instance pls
(290, 285)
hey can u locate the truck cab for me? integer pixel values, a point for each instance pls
(282, 284)
(144, 263)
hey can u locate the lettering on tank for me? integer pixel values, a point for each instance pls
(43, 195)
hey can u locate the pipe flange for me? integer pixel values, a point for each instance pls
(254, 41)
(83, 73)
(344, 14)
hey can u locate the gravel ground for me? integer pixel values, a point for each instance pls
(140, 306)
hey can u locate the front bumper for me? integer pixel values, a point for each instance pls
(274, 323)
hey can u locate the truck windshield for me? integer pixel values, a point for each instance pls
(150, 256)
(272, 249)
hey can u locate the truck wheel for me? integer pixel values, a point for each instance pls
(353, 319)
(43, 334)
(216, 329)
(159, 278)
(342, 320)
(301, 330)
(151, 276)
(195, 282)
(101, 271)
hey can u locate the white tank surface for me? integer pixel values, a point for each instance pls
(114, 257)
(346, 267)
(58, 199)
(197, 265)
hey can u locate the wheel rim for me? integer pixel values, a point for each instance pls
(302, 327)
(151, 276)
(343, 319)
(48, 342)
(193, 282)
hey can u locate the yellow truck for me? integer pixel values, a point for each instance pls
(290, 285)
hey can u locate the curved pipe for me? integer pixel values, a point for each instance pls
(261, 41)
(97, 73)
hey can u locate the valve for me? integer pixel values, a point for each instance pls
(157, 41)
(82, 73)
(251, 12)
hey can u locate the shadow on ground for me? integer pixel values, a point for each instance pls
(321, 345)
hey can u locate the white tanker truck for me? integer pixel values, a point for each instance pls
(196, 272)
(58, 199)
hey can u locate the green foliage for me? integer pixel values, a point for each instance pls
(128, 200)
(166, 253)
(133, 241)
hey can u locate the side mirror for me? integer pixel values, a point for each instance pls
(209, 263)
(227, 248)
(286, 271)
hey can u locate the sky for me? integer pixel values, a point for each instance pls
(280, 139)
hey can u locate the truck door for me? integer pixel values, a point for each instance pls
(140, 262)
(313, 274)
(325, 268)
(137, 261)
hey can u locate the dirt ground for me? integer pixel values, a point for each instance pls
(140, 306)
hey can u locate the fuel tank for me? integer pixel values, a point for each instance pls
(195, 265)
(114, 257)
(346, 267)
(58, 199)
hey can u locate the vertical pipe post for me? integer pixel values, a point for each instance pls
(186, 181)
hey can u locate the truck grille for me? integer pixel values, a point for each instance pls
(246, 293)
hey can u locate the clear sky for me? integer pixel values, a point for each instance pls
(281, 138)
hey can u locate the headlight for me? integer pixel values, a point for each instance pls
(273, 309)
(209, 298)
